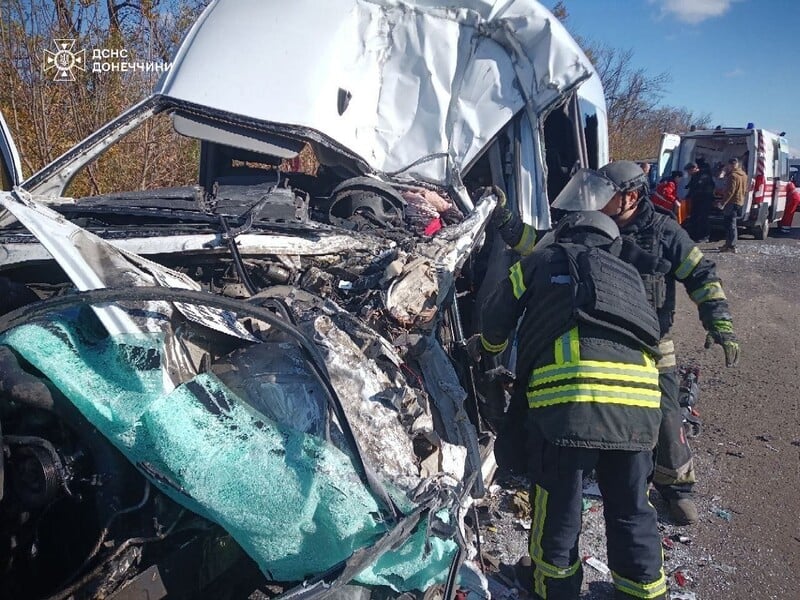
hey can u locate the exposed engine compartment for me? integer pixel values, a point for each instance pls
(370, 320)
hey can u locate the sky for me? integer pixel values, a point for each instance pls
(738, 60)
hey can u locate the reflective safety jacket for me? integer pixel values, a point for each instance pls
(659, 234)
(586, 384)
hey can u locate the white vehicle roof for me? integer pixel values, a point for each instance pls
(405, 87)
(728, 131)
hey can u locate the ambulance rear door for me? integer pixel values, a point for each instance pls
(667, 155)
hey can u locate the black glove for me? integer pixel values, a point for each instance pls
(474, 347)
(500, 374)
(721, 333)
(501, 214)
(643, 261)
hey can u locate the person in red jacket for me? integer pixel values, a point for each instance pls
(792, 202)
(666, 195)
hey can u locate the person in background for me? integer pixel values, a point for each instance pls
(720, 181)
(645, 167)
(792, 202)
(701, 194)
(665, 196)
(732, 203)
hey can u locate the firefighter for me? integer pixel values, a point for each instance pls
(660, 234)
(586, 370)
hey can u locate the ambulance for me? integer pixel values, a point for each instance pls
(762, 154)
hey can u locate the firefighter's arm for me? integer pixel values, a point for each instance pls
(519, 236)
(501, 310)
(699, 276)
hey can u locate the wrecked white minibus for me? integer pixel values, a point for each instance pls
(258, 384)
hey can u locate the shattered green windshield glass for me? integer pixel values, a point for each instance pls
(293, 501)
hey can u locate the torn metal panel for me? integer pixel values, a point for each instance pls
(312, 243)
(412, 106)
(365, 392)
(92, 263)
(448, 396)
(381, 407)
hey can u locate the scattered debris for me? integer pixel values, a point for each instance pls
(724, 568)
(523, 524)
(683, 595)
(586, 505)
(676, 537)
(722, 513)
(592, 489)
(680, 578)
(736, 454)
(598, 565)
(521, 504)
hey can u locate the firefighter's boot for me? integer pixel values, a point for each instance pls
(683, 510)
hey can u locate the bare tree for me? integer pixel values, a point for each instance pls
(636, 116)
(48, 117)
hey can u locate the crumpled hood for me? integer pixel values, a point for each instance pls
(398, 87)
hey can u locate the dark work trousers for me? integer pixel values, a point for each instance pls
(634, 545)
(731, 213)
(674, 473)
(701, 209)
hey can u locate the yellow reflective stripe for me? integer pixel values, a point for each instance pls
(555, 572)
(568, 348)
(517, 281)
(722, 326)
(527, 241)
(574, 345)
(600, 394)
(580, 370)
(558, 349)
(493, 348)
(641, 590)
(537, 531)
(645, 368)
(544, 569)
(689, 263)
(710, 291)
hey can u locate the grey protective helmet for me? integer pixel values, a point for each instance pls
(626, 175)
(587, 221)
